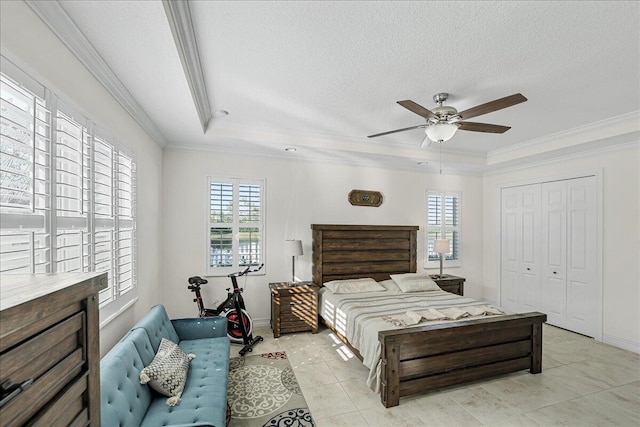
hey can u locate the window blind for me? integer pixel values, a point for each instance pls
(443, 222)
(236, 216)
(24, 171)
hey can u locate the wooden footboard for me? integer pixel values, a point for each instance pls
(430, 357)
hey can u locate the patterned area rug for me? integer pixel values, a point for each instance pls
(263, 391)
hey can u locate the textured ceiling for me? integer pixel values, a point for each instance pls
(322, 76)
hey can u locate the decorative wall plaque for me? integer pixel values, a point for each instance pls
(365, 198)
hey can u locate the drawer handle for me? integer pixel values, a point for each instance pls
(10, 390)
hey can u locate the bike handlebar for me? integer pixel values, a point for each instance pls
(196, 281)
(246, 271)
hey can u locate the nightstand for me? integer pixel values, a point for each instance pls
(449, 283)
(294, 308)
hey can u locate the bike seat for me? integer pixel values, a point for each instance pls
(197, 280)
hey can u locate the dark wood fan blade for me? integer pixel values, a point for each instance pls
(397, 130)
(482, 127)
(492, 106)
(418, 109)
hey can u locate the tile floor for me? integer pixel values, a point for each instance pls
(583, 383)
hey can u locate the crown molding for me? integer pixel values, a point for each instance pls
(335, 157)
(561, 157)
(57, 19)
(179, 17)
(625, 124)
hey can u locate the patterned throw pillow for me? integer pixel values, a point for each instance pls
(167, 372)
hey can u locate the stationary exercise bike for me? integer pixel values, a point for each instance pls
(239, 323)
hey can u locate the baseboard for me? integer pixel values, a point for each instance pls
(622, 343)
(261, 322)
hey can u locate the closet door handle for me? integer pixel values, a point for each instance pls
(528, 269)
(555, 272)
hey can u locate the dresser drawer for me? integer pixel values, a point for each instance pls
(454, 288)
(297, 303)
(50, 359)
(20, 327)
(449, 283)
(297, 326)
(66, 409)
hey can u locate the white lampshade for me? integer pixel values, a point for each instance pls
(441, 246)
(441, 132)
(293, 247)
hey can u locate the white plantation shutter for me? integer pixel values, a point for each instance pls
(221, 224)
(443, 222)
(250, 224)
(104, 224)
(24, 171)
(72, 191)
(236, 224)
(126, 223)
(67, 191)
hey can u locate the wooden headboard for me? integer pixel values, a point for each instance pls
(354, 251)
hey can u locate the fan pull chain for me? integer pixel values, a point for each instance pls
(440, 142)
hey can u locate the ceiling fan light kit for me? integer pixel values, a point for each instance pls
(441, 132)
(444, 121)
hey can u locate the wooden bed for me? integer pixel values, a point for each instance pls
(428, 357)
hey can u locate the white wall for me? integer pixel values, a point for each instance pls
(25, 39)
(298, 194)
(620, 170)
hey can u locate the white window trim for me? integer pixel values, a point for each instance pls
(446, 263)
(212, 271)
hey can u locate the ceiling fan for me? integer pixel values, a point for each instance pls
(443, 122)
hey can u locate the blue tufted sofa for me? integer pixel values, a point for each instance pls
(125, 402)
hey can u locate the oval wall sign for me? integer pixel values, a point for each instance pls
(365, 198)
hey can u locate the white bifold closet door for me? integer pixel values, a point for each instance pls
(521, 248)
(548, 252)
(569, 251)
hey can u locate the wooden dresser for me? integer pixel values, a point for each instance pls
(293, 308)
(50, 349)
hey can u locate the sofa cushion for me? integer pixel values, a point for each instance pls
(157, 324)
(167, 373)
(140, 339)
(123, 400)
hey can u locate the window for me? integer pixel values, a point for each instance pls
(236, 224)
(67, 191)
(443, 222)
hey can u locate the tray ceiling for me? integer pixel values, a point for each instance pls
(320, 76)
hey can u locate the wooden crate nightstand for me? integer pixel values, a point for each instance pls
(293, 308)
(449, 283)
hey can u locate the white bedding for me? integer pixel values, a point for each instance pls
(359, 317)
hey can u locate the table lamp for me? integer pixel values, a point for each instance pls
(293, 248)
(441, 247)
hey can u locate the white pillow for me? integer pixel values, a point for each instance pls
(167, 372)
(415, 282)
(391, 286)
(354, 286)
